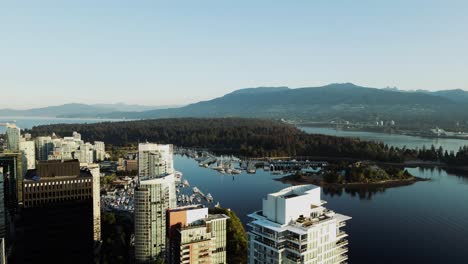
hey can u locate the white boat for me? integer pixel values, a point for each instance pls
(209, 198)
(178, 176)
(195, 190)
(236, 171)
(186, 183)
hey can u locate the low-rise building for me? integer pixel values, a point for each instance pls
(195, 236)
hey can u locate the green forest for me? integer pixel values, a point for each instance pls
(245, 137)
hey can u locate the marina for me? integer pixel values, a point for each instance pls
(120, 196)
(233, 166)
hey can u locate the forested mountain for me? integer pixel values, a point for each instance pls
(344, 101)
(457, 95)
(335, 101)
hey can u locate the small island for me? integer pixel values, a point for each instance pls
(353, 175)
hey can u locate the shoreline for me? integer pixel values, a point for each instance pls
(291, 179)
(409, 133)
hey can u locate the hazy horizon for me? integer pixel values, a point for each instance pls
(153, 53)
(180, 105)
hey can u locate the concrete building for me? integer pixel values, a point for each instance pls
(13, 168)
(95, 172)
(294, 227)
(3, 226)
(194, 236)
(131, 165)
(99, 151)
(85, 153)
(155, 159)
(2, 251)
(28, 150)
(13, 137)
(44, 146)
(153, 196)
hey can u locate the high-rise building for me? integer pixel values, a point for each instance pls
(155, 159)
(44, 146)
(153, 196)
(99, 150)
(2, 205)
(12, 164)
(194, 236)
(85, 153)
(294, 227)
(13, 137)
(57, 214)
(28, 150)
(2, 251)
(94, 170)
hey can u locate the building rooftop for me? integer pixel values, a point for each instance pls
(301, 224)
(294, 191)
(155, 177)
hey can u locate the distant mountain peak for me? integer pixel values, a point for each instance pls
(262, 89)
(346, 84)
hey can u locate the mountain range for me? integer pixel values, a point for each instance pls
(330, 102)
(79, 110)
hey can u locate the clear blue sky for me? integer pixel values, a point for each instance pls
(177, 52)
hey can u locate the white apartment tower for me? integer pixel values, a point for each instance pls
(294, 227)
(13, 137)
(154, 194)
(99, 150)
(153, 197)
(155, 159)
(28, 150)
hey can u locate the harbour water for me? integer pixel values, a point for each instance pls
(426, 222)
(395, 140)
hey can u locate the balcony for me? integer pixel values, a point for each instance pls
(342, 259)
(342, 250)
(341, 234)
(294, 258)
(342, 243)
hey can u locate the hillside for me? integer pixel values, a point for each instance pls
(345, 101)
(410, 109)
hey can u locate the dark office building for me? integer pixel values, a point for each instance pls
(57, 215)
(13, 177)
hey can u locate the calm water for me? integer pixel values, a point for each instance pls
(426, 222)
(391, 139)
(29, 122)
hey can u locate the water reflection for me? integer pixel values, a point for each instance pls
(363, 193)
(408, 224)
